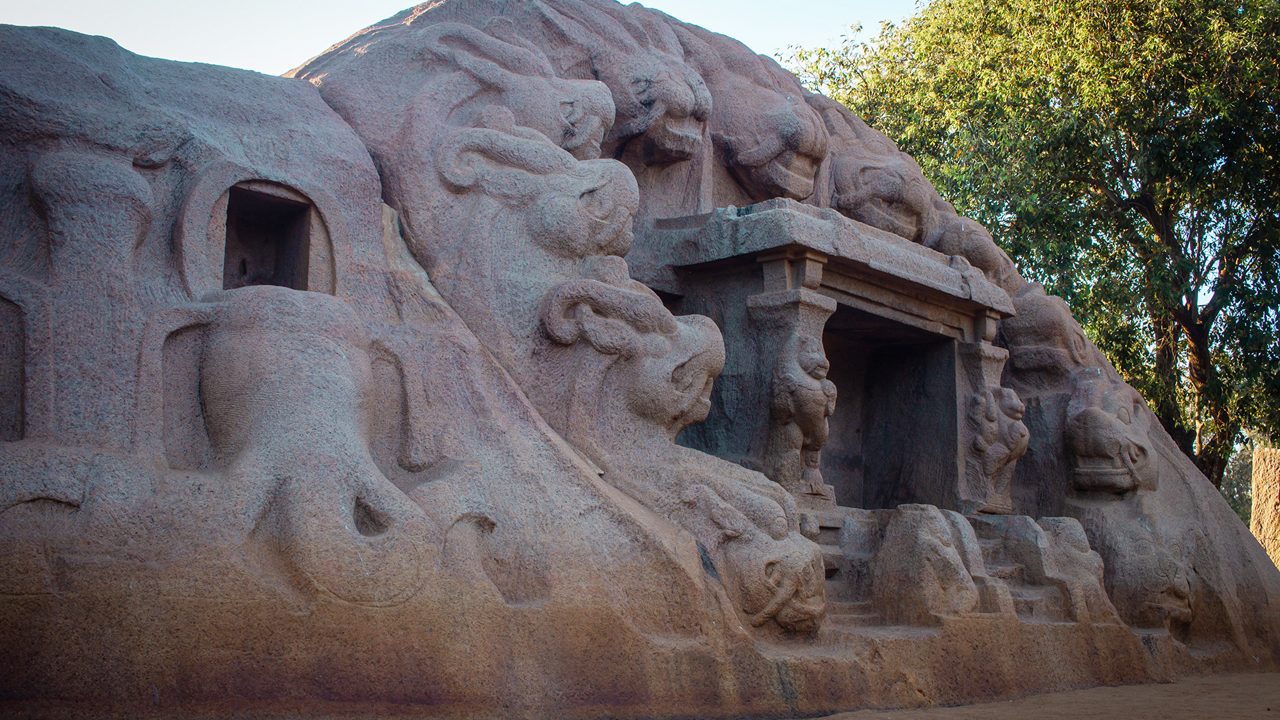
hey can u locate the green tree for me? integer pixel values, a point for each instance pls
(1237, 483)
(1126, 153)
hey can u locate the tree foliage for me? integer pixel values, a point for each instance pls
(1126, 153)
(1237, 483)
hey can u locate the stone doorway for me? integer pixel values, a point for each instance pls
(894, 431)
(907, 336)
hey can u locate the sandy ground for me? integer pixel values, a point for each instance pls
(1217, 697)
(1220, 697)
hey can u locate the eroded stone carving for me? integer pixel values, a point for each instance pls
(662, 104)
(537, 273)
(1146, 577)
(1079, 570)
(1112, 457)
(611, 332)
(1048, 566)
(999, 439)
(551, 213)
(871, 181)
(301, 437)
(1043, 338)
(456, 72)
(1110, 448)
(919, 575)
(802, 400)
(769, 138)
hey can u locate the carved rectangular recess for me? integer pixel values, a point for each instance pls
(12, 365)
(894, 434)
(268, 240)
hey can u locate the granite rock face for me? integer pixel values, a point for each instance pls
(551, 359)
(1264, 521)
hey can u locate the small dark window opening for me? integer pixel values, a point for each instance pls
(12, 370)
(268, 240)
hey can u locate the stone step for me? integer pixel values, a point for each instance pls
(1037, 602)
(829, 524)
(831, 557)
(829, 518)
(993, 552)
(1012, 575)
(852, 613)
(828, 536)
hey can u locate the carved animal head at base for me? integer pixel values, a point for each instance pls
(1107, 437)
(773, 576)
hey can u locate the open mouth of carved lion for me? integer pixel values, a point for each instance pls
(672, 139)
(789, 174)
(612, 235)
(694, 378)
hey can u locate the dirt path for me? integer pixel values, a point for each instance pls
(1217, 697)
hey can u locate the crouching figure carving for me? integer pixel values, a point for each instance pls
(919, 574)
(1079, 571)
(999, 439)
(802, 399)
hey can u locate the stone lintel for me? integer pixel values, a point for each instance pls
(671, 249)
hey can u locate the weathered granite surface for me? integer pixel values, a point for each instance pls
(1264, 520)
(551, 359)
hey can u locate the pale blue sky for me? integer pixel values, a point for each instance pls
(273, 36)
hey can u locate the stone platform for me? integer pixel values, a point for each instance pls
(1224, 697)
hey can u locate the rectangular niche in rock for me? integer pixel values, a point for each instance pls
(268, 240)
(895, 381)
(12, 360)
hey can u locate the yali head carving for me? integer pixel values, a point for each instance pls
(771, 140)
(573, 114)
(772, 574)
(871, 180)
(571, 209)
(1107, 436)
(660, 102)
(662, 366)
(447, 73)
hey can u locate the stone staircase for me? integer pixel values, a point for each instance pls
(1033, 600)
(1012, 550)
(848, 572)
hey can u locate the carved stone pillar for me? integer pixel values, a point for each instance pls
(787, 320)
(993, 436)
